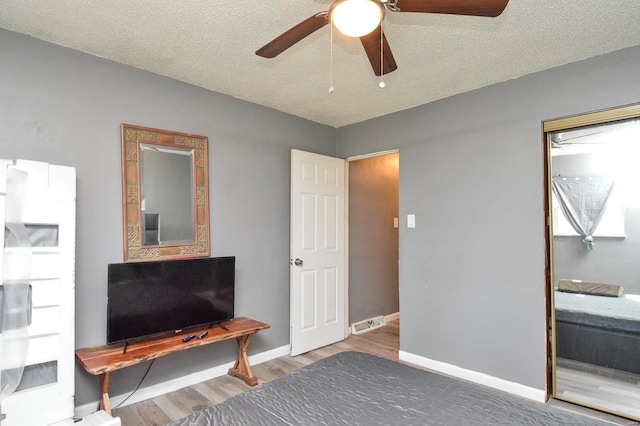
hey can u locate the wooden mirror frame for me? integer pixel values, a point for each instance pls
(134, 251)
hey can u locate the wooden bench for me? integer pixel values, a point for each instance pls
(103, 360)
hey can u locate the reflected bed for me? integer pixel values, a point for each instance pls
(599, 330)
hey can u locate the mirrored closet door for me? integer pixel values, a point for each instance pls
(594, 211)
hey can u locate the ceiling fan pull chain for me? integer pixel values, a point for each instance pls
(381, 84)
(331, 88)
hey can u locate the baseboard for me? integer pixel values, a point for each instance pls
(180, 382)
(392, 317)
(475, 377)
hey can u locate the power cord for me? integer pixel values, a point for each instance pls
(137, 387)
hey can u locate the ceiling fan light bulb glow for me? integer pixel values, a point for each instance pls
(356, 18)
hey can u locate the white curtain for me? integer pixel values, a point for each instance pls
(583, 200)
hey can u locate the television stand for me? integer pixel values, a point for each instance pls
(102, 361)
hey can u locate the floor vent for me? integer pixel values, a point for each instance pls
(367, 325)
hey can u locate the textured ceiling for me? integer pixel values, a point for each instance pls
(211, 43)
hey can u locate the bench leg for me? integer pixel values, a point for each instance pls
(242, 368)
(105, 382)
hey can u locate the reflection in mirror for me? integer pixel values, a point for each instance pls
(167, 198)
(595, 225)
(165, 194)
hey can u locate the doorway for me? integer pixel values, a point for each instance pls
(373, 199)
(320, 273)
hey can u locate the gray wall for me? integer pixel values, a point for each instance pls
(373, 241)
(613, 259)
(472, 286)
(66, 108)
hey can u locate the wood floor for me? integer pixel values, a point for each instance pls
(382, 342)
(610, 389)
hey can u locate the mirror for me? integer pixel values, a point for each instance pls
(167, 199)
(594, 210)
(165, 188)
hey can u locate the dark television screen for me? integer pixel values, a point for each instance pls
(151, 298)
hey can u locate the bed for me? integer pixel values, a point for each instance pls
(599, 330)
(354, 388)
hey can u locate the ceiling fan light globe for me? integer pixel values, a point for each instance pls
(356, 18)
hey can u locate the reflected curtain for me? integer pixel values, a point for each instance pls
(583, 200)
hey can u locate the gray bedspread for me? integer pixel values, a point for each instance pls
(620, 314)
(354, 388)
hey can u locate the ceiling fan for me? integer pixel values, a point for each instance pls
(559, 140)
(366, 17)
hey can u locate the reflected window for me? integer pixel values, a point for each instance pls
(611, 224)
(606, 150)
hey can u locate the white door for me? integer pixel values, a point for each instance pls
(317, 271)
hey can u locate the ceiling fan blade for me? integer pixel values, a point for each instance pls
(560, 140)
(371, 44)
(489, 8)
(293, 35)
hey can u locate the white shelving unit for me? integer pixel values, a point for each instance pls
(46, 393)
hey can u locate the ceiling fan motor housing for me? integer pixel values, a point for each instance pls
(356, 18)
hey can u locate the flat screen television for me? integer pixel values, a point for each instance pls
(147, 299)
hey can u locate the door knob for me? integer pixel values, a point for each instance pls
(298, 262)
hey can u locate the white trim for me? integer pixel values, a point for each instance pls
(518, 389)
(180, 382)
(392, 317)
(373, 154)
(347, 326)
